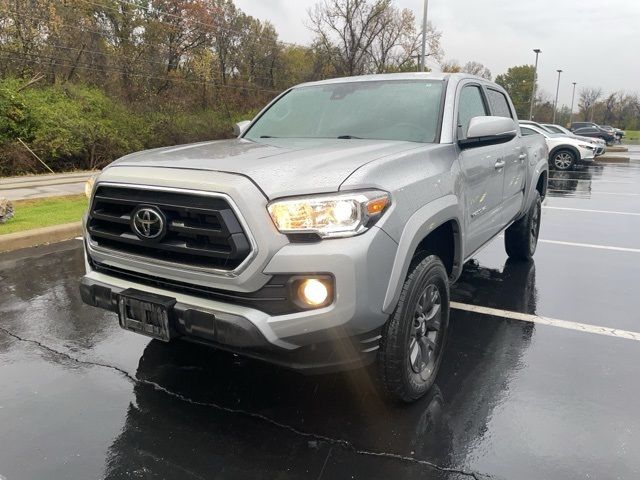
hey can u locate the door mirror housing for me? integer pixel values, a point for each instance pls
(489, 131)
(241, 127)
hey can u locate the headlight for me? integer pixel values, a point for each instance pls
(329, 216)
(88, 186)
(588, 147)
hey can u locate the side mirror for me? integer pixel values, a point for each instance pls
(240, 127)
(489, 131)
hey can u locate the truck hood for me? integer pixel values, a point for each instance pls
(279, 167)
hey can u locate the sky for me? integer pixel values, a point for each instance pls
(594, 42)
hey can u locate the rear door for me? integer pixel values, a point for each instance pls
(483, 171)
(514, 156)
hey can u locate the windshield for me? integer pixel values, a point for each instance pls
(553, 128)
(381, 110)
(563, 130)
(545, 128)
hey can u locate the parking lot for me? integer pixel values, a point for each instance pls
(540, 382)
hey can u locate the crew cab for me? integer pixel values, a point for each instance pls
(326, 235)
(564, 151)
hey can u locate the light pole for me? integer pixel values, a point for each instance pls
(555, 104)
(423, 57)
(573, 96)
(535, 79)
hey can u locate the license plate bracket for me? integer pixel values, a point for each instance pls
(146, 313)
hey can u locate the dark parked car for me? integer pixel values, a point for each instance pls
(616, 132)
(592, 131)
(576, 125)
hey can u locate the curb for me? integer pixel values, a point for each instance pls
(39, 236)
(618, 148)
(47, 177)
(53, 182)
(612, 159)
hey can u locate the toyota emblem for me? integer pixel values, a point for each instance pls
(148, 223)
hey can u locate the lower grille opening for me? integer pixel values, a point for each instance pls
(274, 298)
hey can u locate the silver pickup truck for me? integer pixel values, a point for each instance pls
(326, 235)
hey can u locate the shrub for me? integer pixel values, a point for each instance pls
(78, 126)
(15, 119)
(6, 210)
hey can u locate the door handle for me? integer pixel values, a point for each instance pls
(500, 164)
(522, 156)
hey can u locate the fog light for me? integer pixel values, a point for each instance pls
(313, 292)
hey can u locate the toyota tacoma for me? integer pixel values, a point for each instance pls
(326, 235)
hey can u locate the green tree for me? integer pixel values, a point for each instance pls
(518, 82)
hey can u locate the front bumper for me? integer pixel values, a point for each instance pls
(342, 335)
(586, 154)
(236, 333)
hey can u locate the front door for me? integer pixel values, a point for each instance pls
(483, 170)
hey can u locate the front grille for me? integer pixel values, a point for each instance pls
(201, 230)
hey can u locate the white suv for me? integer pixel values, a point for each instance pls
(600, 144)
(564, 151)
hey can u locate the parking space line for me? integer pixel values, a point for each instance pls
(591, 211)
(585, 245)
(590, 245)
(552, 322)
(596, 192)
(593, 180)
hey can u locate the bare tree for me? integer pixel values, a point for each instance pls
(476, 68)
(587, 100)
(612, 104)
(366, 36)
(348, 29)
(394, 46)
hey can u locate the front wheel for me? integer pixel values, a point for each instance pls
(413, 339)
(521, 238)
(563, 160)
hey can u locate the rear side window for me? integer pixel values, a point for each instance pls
(471, 105)
(499, 104)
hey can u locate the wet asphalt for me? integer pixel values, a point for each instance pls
(82, 399)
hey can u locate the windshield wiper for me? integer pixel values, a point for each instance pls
(348, 137)
(267, 136)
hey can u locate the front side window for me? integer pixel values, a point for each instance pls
(471, 105)
(527, 131)
(380, 110)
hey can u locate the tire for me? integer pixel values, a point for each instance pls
(521, 238)
(563, 160)
(413, 338)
